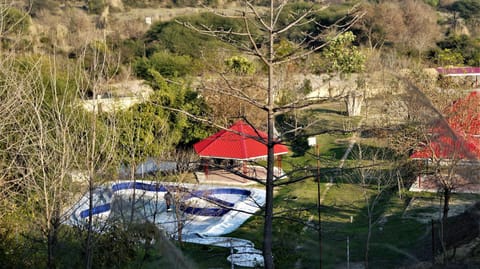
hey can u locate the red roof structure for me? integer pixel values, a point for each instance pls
(449, 146)
(464, 114)
(240, 142)
(459, 71)
(461, 138)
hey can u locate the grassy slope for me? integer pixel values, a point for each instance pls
(297, 243)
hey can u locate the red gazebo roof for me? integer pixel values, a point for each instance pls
(464, 114)
(448, 146)
(461, 138)
(240, 142)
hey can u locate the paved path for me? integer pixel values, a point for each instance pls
(222, 177)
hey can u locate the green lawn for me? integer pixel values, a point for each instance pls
(295, 226)
(296, 242)
(394, 238)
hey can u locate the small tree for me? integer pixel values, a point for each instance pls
(376, 178)
(95, 139)
(240, 65)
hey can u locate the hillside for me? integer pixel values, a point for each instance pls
(92, 90)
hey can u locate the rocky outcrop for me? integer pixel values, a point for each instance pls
(354, 88)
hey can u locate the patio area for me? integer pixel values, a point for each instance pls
(224, 177)
(429, 183)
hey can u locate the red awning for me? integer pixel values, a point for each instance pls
(240, 142)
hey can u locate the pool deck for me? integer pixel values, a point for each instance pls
(223, 177)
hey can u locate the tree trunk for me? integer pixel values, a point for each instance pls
(267, 229)
(52, 238)
(132, 178)
(369, 235)
(444, 229)
(446, 204)
(178, 215)
(354, 102)
(51, 244)
(89, 241)
(268, 236)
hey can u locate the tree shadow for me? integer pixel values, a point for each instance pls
(329, 111)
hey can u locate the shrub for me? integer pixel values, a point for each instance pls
(166, 64)
(468, 47)
(96, 6)
(466, 8)
(181, 40)
(14, 21)
(433, 3)
(449, 57)
(240, 65)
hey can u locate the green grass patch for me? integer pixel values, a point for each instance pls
(346, 202)
(296, 236)
(345, 211)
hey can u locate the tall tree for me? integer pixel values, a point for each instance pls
(265, 44)
(97, 140)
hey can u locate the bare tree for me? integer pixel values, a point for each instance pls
(52, 159)
(42, 143)
(375, 176)
(11, 92)
(97, 140)
(396, 23)
(35, 139)
(261, 37)
(180, 192)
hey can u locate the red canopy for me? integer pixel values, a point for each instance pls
(460, 139)
(240, 142)
(448, 146)
(464, 114)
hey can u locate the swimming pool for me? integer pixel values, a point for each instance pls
(204, 212)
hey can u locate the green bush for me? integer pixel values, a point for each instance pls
(468, 47)
(96, 6)
(166, 64)
(129, 49)
(240, 65)
(342, 56)
(323, 16)
(179, 39)
(433, 3)
(467, 8)
(449, 57)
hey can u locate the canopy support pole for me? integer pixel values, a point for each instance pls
(205, 167)
(279, 165)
